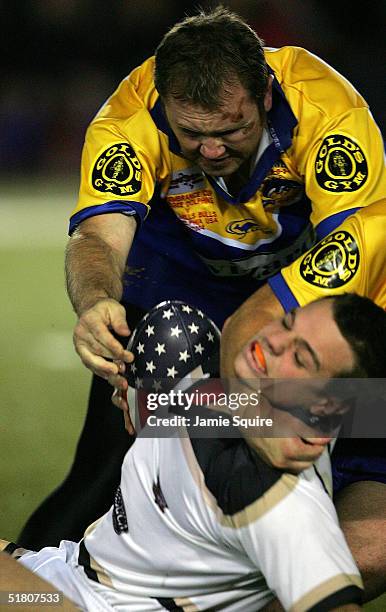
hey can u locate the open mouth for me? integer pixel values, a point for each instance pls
(258, 359)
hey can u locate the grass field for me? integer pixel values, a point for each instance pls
(43, 384)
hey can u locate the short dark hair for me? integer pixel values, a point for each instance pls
(202, 55)
(363, 324)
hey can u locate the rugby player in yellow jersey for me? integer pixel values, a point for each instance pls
(213, 165)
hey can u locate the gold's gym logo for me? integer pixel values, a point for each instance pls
(332, 262)
(340, 165)
(117, 170)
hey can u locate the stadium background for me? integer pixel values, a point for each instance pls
(60, 60)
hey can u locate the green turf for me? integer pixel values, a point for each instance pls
(43, 384)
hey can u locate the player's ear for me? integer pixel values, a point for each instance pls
(326, 406)
(268, 95)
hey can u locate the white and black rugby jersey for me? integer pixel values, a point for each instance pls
(205, 524)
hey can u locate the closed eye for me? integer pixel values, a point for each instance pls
(298, 361)
(288, 320)
(189, 133)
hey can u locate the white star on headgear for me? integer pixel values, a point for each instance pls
(160, 348)
(175, 331)
(172, 372)
(210, 336)
(186, 308)
(200, 314)
(198, 348)
(149, 331)
(150, 367)
(184, 356)
(140, 347)
(133, 368)
(167, 314)
(138, 383)
(194, 328)
(157, 385)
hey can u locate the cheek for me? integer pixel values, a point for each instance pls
(282, 367)
(250, 142)
(236, 365)
(188, 146)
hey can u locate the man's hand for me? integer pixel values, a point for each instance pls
(289, 454)
(119, 399)
(96, 256)
(95, 343)
(289, 444)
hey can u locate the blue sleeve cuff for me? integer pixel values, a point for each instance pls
(134, 208)
(283, 292)
(331, 223)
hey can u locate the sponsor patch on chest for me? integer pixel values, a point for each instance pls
(186, 180)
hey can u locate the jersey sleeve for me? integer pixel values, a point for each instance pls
(350, 259)
(123, 155)
(343, 167)
(297, 543)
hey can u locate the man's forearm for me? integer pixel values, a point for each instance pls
(95, 260)
(15, 577)
(275, 606)
(93, 272)
(362, 515)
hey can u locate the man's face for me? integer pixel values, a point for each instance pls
(219, 141)
(304, 343)
(303, 349)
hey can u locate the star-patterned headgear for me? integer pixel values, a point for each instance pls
(169, 342)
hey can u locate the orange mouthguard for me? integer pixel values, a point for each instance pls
(260, 355)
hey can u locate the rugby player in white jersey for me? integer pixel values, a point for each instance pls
(203, 523)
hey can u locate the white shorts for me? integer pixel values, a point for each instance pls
(53, 565)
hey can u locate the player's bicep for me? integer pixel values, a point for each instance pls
(343, 165)
(349, 259)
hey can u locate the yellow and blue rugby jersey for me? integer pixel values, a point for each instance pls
(323, 160)
(350, 259)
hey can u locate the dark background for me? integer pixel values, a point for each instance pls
(62, 58)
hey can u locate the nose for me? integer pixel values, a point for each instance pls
(212, 148)
(279, 341)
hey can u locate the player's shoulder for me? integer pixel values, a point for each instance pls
(373, 213)
(295, 64)
(368, 221)
(136, 92)
(234, 474)
(142, 78)
(302, 73)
